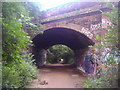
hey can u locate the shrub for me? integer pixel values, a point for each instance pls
(105, 79)
(109, 44)
(17, 71)
(18, 75)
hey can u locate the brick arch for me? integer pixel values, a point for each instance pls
(75, 40)
(89, 30)
(70, 26)
(61, 35)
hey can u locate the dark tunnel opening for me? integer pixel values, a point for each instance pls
(60, 54)
(75, 40)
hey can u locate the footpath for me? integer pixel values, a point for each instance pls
(59, 77)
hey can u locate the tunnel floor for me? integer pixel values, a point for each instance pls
(57, 65)
(58, 76)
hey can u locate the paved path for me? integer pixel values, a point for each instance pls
(58, 77)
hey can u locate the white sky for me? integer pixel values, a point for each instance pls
(46, 4)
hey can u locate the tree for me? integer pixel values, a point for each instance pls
(33, 25)
(17, 70)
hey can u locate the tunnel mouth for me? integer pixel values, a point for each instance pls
(69, 37)
(60, 54)
(75, 40)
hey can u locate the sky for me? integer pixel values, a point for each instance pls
(47, 4)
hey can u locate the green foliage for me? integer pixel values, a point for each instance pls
(14, 38)
(0, 74)
(0, 46)
(17, 71)
(18, 75)
(33, 25)
(58, 52)
(108, 77)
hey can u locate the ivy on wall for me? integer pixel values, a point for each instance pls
(108, 77)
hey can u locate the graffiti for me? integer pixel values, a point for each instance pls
(87, 32)
(106, 23)
(95, 26)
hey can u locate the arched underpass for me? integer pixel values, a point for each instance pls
(77, 41)
(58, 76)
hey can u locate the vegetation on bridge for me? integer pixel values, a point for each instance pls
(109, 76)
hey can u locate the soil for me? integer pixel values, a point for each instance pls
(59, 76)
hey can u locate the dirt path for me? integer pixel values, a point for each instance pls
(58, 77)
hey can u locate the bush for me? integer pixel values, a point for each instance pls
(17, 70)
(18, 75)
(109, 45)
(105, 79)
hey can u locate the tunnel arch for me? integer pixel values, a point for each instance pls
(75, 40)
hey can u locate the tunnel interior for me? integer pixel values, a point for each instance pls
(75, 40)
(60, 54)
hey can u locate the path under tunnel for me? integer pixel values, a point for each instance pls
(59, 76)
